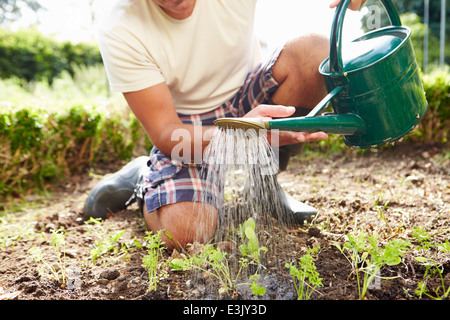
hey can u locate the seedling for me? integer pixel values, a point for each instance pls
(106, 242)
(215, 262)
(306, 279)
(423, 238)
(59, 248)
(381, 209)
(367, 256)
(106, 245)
(432, 268)
(212, 261)
(251, 249)
(152, 261)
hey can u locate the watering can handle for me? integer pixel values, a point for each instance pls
(336, 64)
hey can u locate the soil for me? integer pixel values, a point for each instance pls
(390, 192)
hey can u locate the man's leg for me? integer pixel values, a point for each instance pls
(297, 72)
(183, 223)
(302, 86)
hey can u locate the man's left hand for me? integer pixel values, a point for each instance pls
(277, 137)
(354, 5)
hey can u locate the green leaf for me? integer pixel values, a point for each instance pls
(422, 259)
(257, 289)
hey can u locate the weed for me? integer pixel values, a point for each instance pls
(306, 279)
(58, 245)
(366, 256)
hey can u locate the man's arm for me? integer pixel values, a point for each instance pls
(155, 110)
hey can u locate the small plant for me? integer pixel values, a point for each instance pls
(58, 245)
(106, 242)
(422, 237)
(306, 279)
(251, 248)
(212, 261)
(367, 257)
(106, 245)
(432, 268)
(215, 262)
(152, 260)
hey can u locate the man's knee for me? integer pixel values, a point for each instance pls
(183, 223)
(300, 56)
(297, 71)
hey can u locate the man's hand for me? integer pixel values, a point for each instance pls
(354, 5)
(266, 112)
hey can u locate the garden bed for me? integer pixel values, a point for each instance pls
(399, 193)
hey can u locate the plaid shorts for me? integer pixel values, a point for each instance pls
(170, 181)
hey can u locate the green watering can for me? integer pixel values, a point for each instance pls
(374, 87)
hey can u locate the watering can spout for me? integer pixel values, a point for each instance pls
(344, 124)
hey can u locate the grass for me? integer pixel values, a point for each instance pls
(87, 87)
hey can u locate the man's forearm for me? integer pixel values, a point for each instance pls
(184, 142)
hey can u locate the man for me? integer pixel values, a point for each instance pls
(180, 65)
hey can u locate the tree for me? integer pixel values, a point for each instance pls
(10, 9)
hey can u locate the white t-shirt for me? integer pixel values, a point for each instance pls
(203, 59)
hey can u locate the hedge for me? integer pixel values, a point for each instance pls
(37, 147)
(30, 56)
(434, 127)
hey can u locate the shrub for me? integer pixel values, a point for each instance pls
(30, 56)
(39, 146)
(434, 126)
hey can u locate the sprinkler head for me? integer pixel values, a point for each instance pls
(241, 123)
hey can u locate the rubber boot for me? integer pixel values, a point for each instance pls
(301, 212)
(117, 191)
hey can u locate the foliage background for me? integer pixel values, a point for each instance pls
(30, 56)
